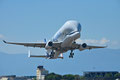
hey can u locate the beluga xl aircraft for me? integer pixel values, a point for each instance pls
(61, 42)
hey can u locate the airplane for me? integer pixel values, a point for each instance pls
(63, 41)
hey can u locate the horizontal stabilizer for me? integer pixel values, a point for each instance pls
(43, 56)
(29, 55)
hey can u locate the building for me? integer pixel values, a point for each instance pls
(100, 75)
(25, 78)
(40, 73)
(9, 77)
(13, 77)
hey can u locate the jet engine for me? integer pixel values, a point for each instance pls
(83, 46)
(49, 45)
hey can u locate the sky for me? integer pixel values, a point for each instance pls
(31, 21)
(34, 20)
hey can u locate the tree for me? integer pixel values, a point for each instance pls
(68, 77)
(53, 76)
(82, 78)
(108, 75)
(34, 79)
(76, 77)
(117, 75)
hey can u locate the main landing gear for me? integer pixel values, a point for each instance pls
(71, 54)
(52, 54)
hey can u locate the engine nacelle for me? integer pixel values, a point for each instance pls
(83, 46)
(49, 45)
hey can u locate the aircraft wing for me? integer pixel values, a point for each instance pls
(85, 46)
(41, 45)
(93, 47)
(90, 47)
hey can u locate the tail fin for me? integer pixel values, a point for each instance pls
(45, 40)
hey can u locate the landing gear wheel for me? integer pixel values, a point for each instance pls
(71, 55)
(52, 54)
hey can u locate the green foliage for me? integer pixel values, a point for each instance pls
(82, 78)
(34, 79)
(108, 75)
(76, 77)
(53, 76)
(68, 77)
(117, 75)
(98, 76)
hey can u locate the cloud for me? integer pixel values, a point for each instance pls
(102, 41)
(114, 44)
(1, 36)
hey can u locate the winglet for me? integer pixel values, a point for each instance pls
(105, 46)
(28, 53)
(4, 41)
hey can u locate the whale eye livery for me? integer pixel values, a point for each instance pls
(61, 42)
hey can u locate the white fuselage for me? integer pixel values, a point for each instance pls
(67, 29)
(67, 34)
